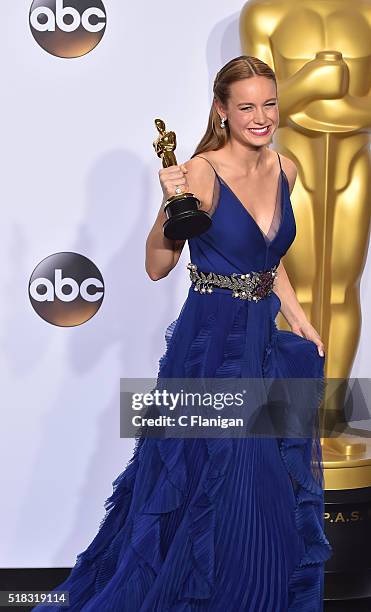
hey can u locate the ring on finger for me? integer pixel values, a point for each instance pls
(178, 189)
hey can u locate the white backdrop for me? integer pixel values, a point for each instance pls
(79, 174)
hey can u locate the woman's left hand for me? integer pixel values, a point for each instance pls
(306, 330)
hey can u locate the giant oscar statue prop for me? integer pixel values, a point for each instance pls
(184, 219)
(323, 65)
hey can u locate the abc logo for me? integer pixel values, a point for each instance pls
(66, 289)
(68, 28)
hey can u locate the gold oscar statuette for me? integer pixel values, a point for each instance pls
(322, 64)
(184, 219)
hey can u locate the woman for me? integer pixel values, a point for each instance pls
(222, 524)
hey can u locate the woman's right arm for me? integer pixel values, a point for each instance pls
(162, 254)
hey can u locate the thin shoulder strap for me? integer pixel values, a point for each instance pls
(279, 159)
(215, 197)
(208, 163)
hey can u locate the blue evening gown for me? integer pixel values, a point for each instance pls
(223, 524)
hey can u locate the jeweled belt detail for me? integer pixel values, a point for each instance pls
(248, 286)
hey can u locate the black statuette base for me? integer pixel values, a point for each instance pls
(184, 219)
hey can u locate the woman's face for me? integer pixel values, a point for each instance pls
(252, 104)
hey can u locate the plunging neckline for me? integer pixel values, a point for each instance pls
(282, 201)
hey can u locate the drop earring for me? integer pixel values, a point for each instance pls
(222, 123)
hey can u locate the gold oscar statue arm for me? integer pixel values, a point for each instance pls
(316, 95)
(359, 109)
(351, 113)
(294, 93)
(257, 24)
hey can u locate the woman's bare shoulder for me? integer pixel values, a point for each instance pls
(290, 169)
(200, 178)
(198, 165)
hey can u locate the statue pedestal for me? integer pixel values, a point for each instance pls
(347, 474)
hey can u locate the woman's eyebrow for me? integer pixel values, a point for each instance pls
(243, 103)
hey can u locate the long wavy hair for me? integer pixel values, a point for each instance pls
(237, 69)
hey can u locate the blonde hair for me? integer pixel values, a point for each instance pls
(237, 69)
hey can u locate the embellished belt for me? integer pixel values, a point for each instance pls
(248, 286)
